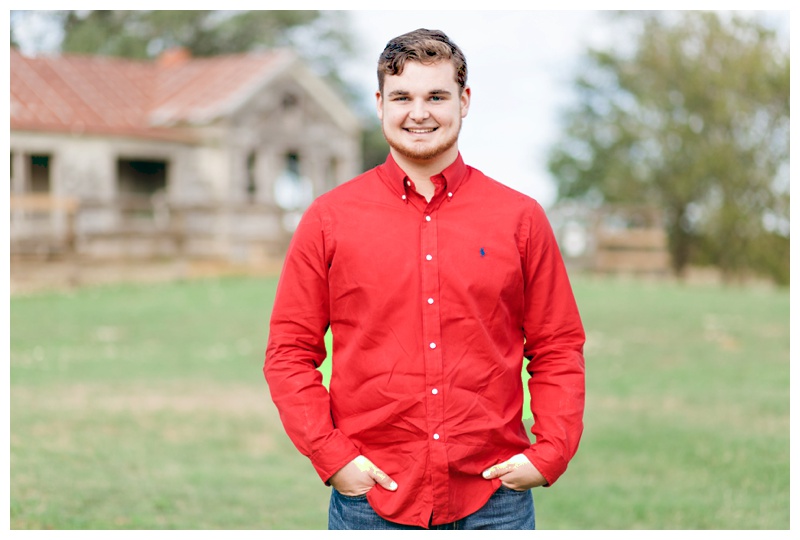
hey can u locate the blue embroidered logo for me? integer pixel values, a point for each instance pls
(483, 252)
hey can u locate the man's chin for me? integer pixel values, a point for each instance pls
(421, 153)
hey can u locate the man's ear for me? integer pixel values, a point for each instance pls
(379, 104)
(466, 95)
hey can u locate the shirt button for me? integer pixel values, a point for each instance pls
(430, 300)
(450, 194)
(436, 436)
(427, 218)
(433, 345)
(429, 257)
(408, 183)
(434, 391)
(403, 197)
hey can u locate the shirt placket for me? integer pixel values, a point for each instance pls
(433, 355)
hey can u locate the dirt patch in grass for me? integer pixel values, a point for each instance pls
(172, 413)
(679, 411)
(230, 399)
(31, 275)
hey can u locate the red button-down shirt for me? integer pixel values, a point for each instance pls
(432, 307)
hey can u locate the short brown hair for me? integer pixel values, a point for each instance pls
(422, 45)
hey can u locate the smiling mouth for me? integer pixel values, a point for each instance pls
(420, 131)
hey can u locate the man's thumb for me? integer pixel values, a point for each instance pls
(495, 471)
(382, 478)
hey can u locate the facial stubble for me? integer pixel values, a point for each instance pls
(422, 154)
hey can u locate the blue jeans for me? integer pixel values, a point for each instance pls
(505, 510)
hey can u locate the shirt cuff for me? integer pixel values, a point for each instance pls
(336, 452)
(547, 461)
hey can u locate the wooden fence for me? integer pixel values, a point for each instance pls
(42, 224)
(630, 239)
(141, 227)
(632, 251)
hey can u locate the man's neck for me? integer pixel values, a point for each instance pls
(420, 171)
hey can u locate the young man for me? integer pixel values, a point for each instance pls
(435, 281)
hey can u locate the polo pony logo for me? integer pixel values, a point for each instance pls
(483, 252)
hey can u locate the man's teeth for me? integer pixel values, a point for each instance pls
(428, 130)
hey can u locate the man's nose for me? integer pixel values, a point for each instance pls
(419, 111)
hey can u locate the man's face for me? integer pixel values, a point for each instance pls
(421, 111)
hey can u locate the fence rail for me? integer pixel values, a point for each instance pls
(142, 227)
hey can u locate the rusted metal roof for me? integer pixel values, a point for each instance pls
(113, 96)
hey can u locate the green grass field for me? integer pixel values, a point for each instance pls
(144, 407)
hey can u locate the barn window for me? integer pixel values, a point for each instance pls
(293, 191)
(39, 179)
(141, 177)
(293, 165)
(251, 177)
(289, 101)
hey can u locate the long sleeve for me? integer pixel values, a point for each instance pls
(296, 348)
(554, 339)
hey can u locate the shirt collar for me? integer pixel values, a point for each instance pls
(395, 178)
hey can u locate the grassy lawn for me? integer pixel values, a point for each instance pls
(144, 407)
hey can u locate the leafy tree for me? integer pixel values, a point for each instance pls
(693, 118)
(318, 35)
(146, 33)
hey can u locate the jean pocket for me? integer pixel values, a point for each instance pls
(504, 489)
(351, 497)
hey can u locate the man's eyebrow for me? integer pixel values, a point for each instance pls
(437, 92)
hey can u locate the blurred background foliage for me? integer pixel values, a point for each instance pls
(691, 116)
